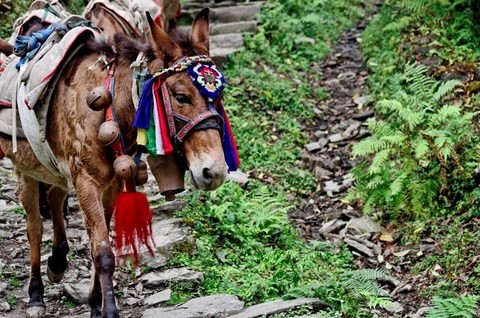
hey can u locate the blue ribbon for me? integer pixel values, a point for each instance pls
(26, 47)
(142, 117)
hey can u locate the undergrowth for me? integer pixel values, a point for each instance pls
(245, 244)
(421, 167)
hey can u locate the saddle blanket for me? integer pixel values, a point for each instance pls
(37, 77)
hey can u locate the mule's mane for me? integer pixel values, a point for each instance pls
(126, 49)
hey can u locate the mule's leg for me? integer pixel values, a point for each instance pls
(95, 297)
(90, 198)
(28, 195)
(57, 263)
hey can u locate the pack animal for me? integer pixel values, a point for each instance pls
(127, 16)
(88, 165)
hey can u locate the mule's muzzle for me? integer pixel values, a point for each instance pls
(209, 177)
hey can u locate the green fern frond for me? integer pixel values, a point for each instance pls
(390, 105)
(378, 161)
(368, 146)
(463, 306)
(414, 71)
(445, 89)
(375, 183)
(399, 25)
(421, 148)
(414, 5)
(397, 185)
(445, 114)
(371, 274)
(394, 140)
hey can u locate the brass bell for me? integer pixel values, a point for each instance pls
(142, 173)
(169, 174)
(125, 167)
(109, 133)
(99, 98)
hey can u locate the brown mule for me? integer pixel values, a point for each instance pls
(87, 165)
(127, 16)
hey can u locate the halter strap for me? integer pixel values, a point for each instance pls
(200, 122)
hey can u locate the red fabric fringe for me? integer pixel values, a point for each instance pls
(133, 224)
(2, 154)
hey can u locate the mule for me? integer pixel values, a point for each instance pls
(127, 17)
(87, 165)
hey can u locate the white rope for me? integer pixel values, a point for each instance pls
(138, 66)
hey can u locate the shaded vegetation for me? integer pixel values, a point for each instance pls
(246, 245)
(422, 162)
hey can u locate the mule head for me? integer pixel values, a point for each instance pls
(202, 147)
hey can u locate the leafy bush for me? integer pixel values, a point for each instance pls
(420, 148)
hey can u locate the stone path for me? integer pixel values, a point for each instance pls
(230, 20)
(138, 293)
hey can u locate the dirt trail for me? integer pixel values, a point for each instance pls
(339, 124)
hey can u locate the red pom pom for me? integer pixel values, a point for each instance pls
(2, 154)
(133, 224)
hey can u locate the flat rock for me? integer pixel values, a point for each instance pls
(215, 306)
(168, 233)
(172, 275)
(77, 292)
(332, 187)
(332, 225)
(238, 177)
(363, 225)
(359, 247)
(154, 262)
(276, 306)
(352, 130)
(313, 146)
(395, 307)
(169, 207)
(3, 287)
(158, 298)
(336, 137)
(4, 306)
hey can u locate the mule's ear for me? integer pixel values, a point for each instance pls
(164, 46)
(6, 48)
(200, 32)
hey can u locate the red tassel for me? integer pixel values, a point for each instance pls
(2, 154)
(133, 224)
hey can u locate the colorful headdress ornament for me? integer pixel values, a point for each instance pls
(209, 81)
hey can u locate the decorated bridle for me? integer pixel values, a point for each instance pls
(210, 82)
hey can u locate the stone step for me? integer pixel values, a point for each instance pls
(192, 5)
(233, 40)
(234, 27)
(198, 4)
(219, 55)
(244, 12)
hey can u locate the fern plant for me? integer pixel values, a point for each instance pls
(463, 306)
(362, 287)
(420, 146)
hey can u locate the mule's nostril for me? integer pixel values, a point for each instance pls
(207, 174)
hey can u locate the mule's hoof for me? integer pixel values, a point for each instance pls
(35, 312)
(53, 277)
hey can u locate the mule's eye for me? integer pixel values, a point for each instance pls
(182, 99)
